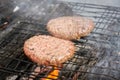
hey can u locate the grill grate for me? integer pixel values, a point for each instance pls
(91, 50)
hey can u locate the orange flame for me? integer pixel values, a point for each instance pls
(52, 75)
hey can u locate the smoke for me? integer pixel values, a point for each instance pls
(32, 8)
(108, 56)
(41, 10)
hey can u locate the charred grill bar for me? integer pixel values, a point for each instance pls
(97, 55)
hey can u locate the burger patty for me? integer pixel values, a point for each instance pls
(70, 28)
(48, 50)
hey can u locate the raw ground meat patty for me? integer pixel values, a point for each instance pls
(48, 50)
(70, 28)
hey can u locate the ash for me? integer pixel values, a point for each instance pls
(108, 64)
(12, 77)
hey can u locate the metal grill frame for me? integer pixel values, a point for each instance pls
(11, 52)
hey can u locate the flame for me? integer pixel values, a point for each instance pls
(52, 75)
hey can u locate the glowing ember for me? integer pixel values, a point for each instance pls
(52, 75)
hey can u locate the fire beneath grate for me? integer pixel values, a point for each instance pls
(96, 57)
